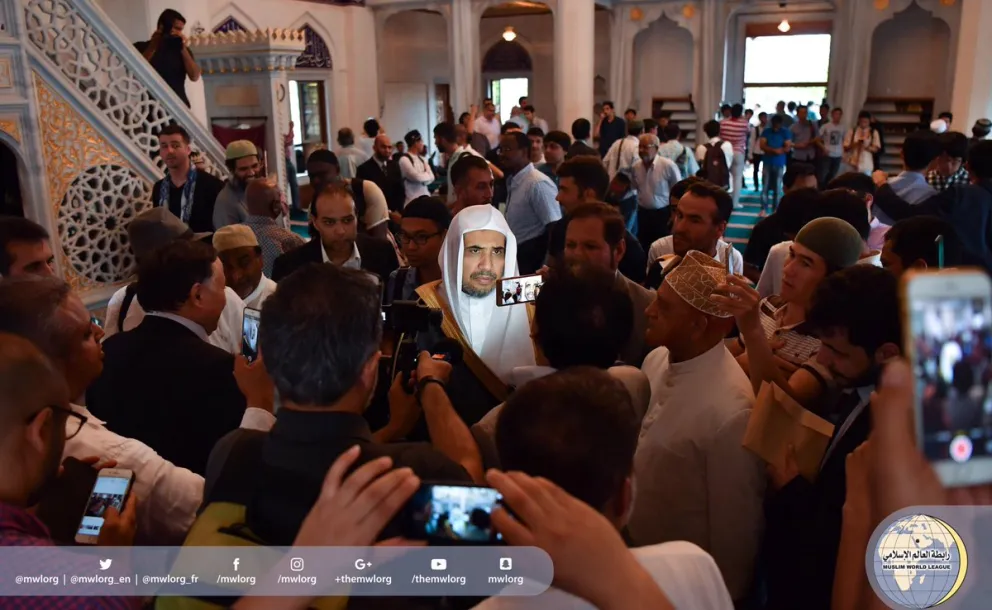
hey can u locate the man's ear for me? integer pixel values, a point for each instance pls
(39, 430)
(589, 195)
(370, 370)
(887, 352)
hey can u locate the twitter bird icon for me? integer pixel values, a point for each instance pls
(105, 564)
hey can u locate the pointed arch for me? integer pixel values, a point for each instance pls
(231, 11)
(320, 50)
(229, 25)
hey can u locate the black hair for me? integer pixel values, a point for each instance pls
(861, 184)
(167, 19)
(845, 205)
(29, 307)
(558, 137)
(796, 171)
(712, 129)
(523, 142)
(840, 303)
(725, 108)
(429, 208)
(631, 110)
(581, 128)
(17, 229)
(528, 108)
(346, 137)
(650, 124)
(535, 131)
(673, 131)
(837, 109)
(445, 131)
(980, 160)
(166, 276)
(175, 130)
(776, 119)
(577, 428)
(737, 111)
(588, 173)
(864, 114)
(371, 128)
(954, 144)
(463, 116)
(796, 207)
(679, 188)
(507, 126)
(762, 114)
(724, 202)
(520, 100)
(946, 115)
(635, 128)
(412, 137)
(919, 149)
(322, 155)
(791, 106)
(610, 104)
(464, 164)
(914, 238)
(587, 299)
(319, 329)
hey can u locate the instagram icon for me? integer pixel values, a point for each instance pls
(296, 564)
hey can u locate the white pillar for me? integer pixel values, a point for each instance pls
(575, 68)
(622, 34)
(971, 97)
(466, 65)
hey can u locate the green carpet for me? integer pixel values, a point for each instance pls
(298, 222)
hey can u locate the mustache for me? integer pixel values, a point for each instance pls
(484, 274)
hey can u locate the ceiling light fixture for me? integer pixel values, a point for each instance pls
(782, 27)
(509, 35)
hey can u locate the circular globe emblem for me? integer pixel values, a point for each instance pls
(919, 562)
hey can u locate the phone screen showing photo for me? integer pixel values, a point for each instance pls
(249, 334)
(455, 513)
(519, 290)
(952, 341)
(107, 492)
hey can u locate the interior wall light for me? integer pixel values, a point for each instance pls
(509, 35)
(782, 27)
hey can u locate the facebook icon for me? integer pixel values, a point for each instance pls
(236, 562)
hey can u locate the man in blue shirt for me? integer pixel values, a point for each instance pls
(776, 143)
(918, 150)
(530, 202)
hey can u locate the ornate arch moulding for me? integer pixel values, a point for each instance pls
(239, 51)
(232, 12)
(10, 125)
(948, 11)
(684, 14)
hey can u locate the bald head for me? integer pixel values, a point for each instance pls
(28, 383)
(262, 199)
(382, 147)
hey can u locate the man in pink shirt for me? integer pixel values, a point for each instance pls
(735, 130)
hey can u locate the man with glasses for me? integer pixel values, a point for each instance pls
(46, 312)
(422, 230)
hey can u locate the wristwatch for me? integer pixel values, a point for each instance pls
(426, 381)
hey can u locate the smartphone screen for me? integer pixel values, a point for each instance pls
(453, 513)
(517, 290)
(952, 353)
(249, 334)
(108, 491)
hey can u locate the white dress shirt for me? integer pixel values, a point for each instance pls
(349, 158)
(227, 336)
(490, 128)
(695, 481)
(169, 496)
(621, 156)
(654, 184)
(684, 572)
(666, 245)
(417, 175)
(261, 292)
(726, 147)
(353, 262)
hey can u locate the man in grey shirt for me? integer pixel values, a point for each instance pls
(242, 161)
(805, 139)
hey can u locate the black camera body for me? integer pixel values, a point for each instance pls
(408, 319)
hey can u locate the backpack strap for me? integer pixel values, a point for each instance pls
(129, 293)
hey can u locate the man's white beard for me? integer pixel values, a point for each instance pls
(476, 294)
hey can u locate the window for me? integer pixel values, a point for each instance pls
(508, 90)
(786, 68)
(307, 109)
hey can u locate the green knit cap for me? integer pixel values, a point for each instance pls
(835, 240)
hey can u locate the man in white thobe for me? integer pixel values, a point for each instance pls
(695, 481)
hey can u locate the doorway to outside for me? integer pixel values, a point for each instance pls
(791, 68)
(506, 93)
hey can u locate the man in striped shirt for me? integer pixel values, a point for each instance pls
(735, 130)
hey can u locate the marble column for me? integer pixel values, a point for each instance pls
(463, 42)
(971, 96)
(575, 69)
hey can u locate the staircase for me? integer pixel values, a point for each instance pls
(92, 106)
(899, 117)
(683, 112)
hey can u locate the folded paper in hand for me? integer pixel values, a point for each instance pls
(778, 421)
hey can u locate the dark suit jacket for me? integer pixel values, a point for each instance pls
(580, 149)
(378, 257)
(968, 208)
(635, 349)
(807, 516)
(389, 182)
(201, 216)
(171, 390)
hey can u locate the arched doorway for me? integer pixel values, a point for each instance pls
(663, 63)
(11, 198)
(909, 58)
(416, 75)
(508, 70)
(518, 57)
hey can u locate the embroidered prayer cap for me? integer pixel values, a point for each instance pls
(695, 280)
(234, 236)
(154, 228)
(239, 149)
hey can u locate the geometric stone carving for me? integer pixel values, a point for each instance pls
(93, 219)
(230, 25)
(242, 51)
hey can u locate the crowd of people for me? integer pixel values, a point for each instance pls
(609, 413)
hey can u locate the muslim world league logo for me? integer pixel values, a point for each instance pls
(919, 562)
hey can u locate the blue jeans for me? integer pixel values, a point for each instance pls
(771, 181)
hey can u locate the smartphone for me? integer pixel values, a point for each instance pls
(249, 333)
(112, 487)
(947, 318)
(517, 290)
(452, 514)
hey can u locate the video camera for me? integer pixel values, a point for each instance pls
(408, 319)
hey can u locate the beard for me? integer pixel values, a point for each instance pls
(476, 292)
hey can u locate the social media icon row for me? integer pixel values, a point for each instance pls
(439, 565)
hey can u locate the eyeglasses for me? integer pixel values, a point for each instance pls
(420, 238)
(75, 427)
